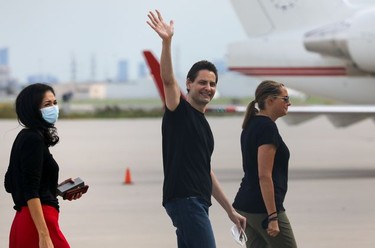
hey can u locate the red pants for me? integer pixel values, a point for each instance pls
(23, 233)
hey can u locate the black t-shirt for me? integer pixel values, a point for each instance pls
(261, 130)
(32, 171)
(187, 148)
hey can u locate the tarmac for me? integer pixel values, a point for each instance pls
(330, 200)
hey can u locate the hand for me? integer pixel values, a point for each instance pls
(238, 219)
(75, 193)
(45, 241)
(157, 23)
(273, 228)
(75, 196)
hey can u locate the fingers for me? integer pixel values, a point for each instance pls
(159, 15)
(156, 22)
(151, 23)
(273, 228)
(240, 221)
(75, 196)
(241, 224)
(273, 232)
(154, 19)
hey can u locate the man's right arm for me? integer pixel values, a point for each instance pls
(165, 31)
(171, 90)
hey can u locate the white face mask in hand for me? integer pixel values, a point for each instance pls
(50, 114)
(239, 235)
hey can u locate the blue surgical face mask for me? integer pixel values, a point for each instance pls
(50, 114)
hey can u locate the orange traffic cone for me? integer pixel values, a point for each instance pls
(128, 177)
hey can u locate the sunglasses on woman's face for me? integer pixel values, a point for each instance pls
(285, 98)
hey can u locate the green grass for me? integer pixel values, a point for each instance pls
(138, 108)
(7, 111)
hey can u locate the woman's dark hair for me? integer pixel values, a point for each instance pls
(28, 104)
(201, 65)
(264, 90)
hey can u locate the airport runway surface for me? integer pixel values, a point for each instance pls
(330, 201)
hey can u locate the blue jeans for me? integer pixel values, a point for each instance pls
(193, 227)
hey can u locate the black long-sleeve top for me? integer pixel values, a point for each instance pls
(32, 171)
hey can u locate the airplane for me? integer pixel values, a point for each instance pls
(340, 116)
(323, 48)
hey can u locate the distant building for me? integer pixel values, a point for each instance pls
(142, 70)
(122, 71)
(8, 85)
(140, 88)
(4, 76)
(4, 56)
(4, 68)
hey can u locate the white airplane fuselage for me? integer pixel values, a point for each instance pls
(336, 60)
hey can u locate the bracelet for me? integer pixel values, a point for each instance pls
(272, 214)
(268, 220)
(272, 219)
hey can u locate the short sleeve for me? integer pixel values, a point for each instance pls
(269, 134)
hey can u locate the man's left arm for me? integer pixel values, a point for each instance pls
(220, 197)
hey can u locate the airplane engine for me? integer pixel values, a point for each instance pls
(352, 39)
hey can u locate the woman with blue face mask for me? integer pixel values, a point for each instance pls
(32, 175)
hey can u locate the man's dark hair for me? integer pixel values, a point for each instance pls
(201, 65)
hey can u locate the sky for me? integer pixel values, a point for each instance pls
(44, 36)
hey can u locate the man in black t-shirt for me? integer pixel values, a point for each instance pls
(188, 144)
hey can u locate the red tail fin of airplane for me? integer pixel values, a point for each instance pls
(154, 66)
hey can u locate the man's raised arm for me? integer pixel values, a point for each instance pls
(165, 31)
